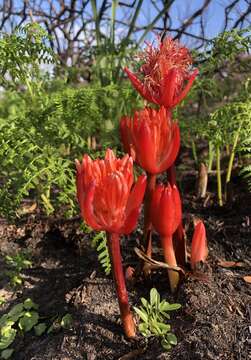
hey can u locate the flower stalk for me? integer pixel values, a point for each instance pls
(122, 295)
(170, 258)
(147, 236)
(166, 215)
(147, 231)
(179, 236)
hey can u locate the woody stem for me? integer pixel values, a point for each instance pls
(169, 255)
(118, 275)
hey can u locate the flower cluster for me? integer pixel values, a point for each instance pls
(108, 196)
(162, 76)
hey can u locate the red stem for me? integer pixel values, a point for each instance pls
(171, 175)
(151, 183)
(118, 275)
(179, 235)
(170, 258)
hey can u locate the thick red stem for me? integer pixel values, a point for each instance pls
(179, 235)
(170, 258)
(118, 275)
(151, 183)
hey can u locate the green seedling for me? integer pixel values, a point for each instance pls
(17, 264)
(23, 318)
(153, 316)
(58, 323)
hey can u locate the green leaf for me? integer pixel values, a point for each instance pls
(50, 329)
(29, 319)
(141, 313)
(143, 327)
(154, 297)
(66, 321)
(29, 304)
(145, 303)
(15, 313)
(16, 280)
(165, 327)
(166, 315)
(171, 338)
(165, 344)
(144, 330)
(3, 320)
(155, 328)
(7, 337)
(27, 264)
(6, 323)
(40, 329)
(6, 354)
(170, 307)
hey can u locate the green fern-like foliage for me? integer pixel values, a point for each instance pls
(224, 67)
(99, 242)
(245, 149)
(21, 54)
(44, 126)
(40, 139)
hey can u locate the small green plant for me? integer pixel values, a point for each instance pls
(17, 264)
(59, 322)
(153, 316)
(24, 317)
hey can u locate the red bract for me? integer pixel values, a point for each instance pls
(199, 249)
(166, 209)
(164, 72)
(152, 137)
(105, 191)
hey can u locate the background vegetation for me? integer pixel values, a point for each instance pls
(60, 99)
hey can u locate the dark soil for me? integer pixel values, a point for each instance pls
(213, 323)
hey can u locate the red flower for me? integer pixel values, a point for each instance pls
(106, 195)
(152, 137)
(166, 209)
(164, 72)
(199, 249)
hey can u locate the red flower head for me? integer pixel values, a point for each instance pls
(166, 209)
(105, 191)
(199, 249)
(164, 72)
(152, 137)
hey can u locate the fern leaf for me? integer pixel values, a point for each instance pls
(100, 243)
